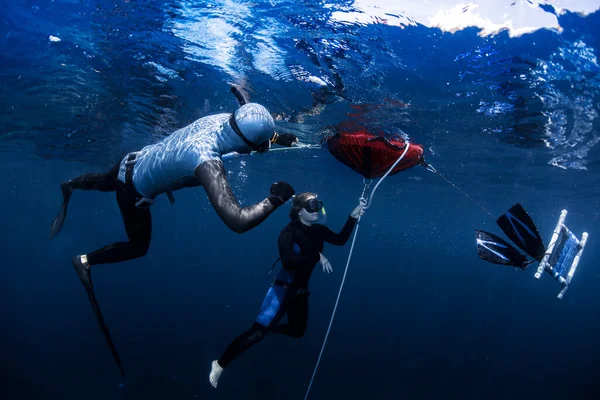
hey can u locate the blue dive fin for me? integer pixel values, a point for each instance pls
(495, 250)
(519, 227)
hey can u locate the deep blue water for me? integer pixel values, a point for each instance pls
(506, 118)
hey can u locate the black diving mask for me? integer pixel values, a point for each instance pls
(313, 205)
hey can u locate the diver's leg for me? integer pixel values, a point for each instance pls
(240, 344)
(272, 310)
(138, 225)
(297, 316)
(104, 182)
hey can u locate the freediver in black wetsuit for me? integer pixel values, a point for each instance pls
(300, 247)
(189, 157)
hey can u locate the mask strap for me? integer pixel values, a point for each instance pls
(237, 130)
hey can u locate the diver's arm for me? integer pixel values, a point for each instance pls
(285, 139)
(339, 239)
(213, 178)
(290, 260)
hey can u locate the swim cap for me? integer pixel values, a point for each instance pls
(254, 125)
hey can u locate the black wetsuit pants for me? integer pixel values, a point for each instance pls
(138, 221)
(296, 308)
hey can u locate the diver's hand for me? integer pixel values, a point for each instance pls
(280, 193)
(326, 264)
(286, 139)
(360, 208)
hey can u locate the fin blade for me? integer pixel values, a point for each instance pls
(86, 281)
(104, 327)
(62, 213)
(519, 228)
(493, 249)
(58, 221)
(171, 197)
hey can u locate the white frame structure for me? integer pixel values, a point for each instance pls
(561, 229)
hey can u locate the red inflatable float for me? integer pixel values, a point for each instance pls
(371, 155)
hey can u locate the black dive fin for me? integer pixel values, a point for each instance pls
(58, 221)
(519, 227)
(62, 213)
(86, 280)
(104, 329)
(495, 250)
(171, 197)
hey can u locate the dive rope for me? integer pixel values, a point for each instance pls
(431, 169)
(367, 184)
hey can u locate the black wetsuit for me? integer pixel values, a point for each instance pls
(189, 157)
(289, 293)
(138, 221)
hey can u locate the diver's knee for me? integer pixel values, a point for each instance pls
(143, 250)
(140, 249)
(257, 336)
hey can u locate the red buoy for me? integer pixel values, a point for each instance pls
(371, 155)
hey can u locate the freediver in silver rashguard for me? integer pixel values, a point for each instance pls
(189, 157)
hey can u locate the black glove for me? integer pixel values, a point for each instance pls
(286, 139)
(280, 193)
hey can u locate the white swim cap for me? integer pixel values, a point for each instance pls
(254, 124)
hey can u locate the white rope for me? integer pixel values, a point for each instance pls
(297, 147)
(333, 315)
(386, 174)
(346, 270)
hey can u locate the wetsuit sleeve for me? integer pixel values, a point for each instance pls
(290, 260)
(339, 239)
(213, 178)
